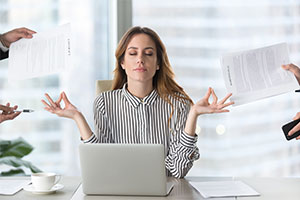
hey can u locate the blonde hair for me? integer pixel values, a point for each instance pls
(163, 80)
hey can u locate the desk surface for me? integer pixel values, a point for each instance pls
(70, 186)
(269, 188)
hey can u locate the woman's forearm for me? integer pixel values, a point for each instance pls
(190, 125)
(84, 128)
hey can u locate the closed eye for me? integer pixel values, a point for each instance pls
(149, 54)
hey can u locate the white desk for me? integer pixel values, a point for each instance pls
(269, 188)
(70, 186)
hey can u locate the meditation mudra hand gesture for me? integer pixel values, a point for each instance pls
(69, 111)
(201, 107)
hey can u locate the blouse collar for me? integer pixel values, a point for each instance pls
(135, 101)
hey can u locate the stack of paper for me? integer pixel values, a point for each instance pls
(224, 189)
(46, 53)
(10, 187)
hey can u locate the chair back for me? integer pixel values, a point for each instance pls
(103, 86)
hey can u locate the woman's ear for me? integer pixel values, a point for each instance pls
(122, 65)
(157, 67)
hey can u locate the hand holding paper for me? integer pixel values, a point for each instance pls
(14, 35)
(294, 69)
(257, 74)
(46, 53)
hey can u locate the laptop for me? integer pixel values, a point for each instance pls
(124, 169)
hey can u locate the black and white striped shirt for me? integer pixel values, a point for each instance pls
(121, 117)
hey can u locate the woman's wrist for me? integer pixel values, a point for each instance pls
(193, 112)
(84, 129)
(189, 132)
(77, 116)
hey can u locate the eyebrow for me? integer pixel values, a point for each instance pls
(137, 48)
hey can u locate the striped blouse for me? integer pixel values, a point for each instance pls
(121, 117)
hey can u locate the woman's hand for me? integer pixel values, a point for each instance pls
(293, 68)
(69, 111)
(203, 106)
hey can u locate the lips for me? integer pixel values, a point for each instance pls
(140, 69)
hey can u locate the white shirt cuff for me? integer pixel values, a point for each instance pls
(3, 48)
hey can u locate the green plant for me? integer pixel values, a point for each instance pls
(12, 152)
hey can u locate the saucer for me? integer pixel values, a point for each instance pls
(30, 188)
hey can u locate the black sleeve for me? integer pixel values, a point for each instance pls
(3, 55)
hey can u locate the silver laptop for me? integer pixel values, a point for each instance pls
(124, 169)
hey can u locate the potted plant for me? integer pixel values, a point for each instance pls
(12, 152)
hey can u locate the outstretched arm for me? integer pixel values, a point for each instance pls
(9, 37)
(69, 111)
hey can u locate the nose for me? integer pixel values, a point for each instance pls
(140, 60)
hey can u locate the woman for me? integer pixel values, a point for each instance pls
(146, 105)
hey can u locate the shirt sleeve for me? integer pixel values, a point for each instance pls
(3, 51)
(183, 150)
(3, 48)
(3, 55)
(102, 131)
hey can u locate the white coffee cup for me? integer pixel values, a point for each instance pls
(44, 181)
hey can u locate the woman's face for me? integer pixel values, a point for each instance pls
(140, 60)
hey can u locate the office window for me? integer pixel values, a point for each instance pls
(248, 141)
(55, 139)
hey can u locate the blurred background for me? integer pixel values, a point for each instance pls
(248, 141)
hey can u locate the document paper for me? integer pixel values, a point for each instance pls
(10, 187)
(223, 189)
(257, 74)
(46, 53)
